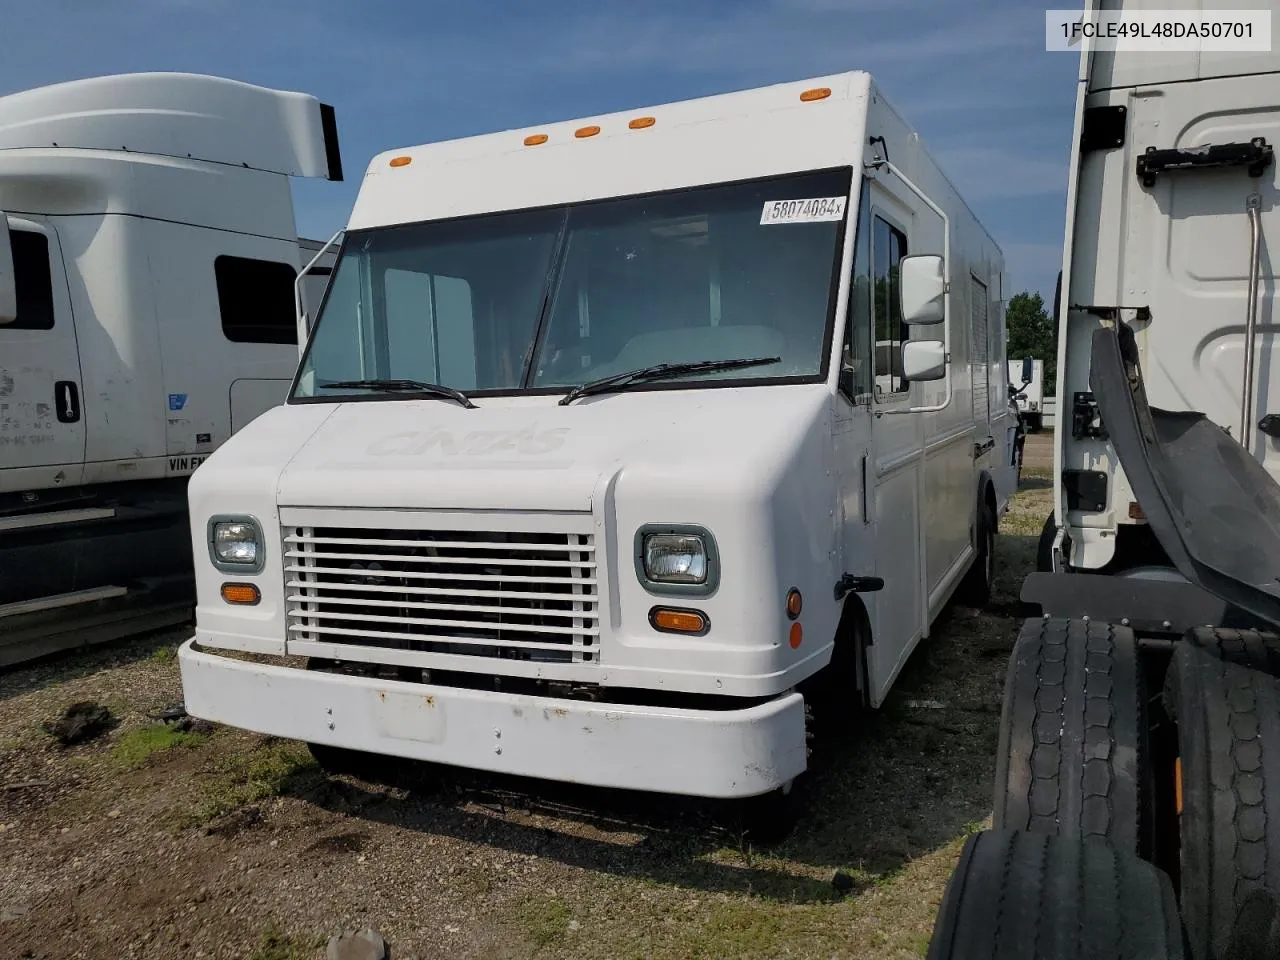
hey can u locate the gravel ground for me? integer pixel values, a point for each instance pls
(149, 843)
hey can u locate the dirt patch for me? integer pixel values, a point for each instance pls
(232, 845)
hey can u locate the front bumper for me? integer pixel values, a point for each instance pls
(706, 753)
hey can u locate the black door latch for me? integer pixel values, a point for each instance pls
(66, 401)
(848, 584)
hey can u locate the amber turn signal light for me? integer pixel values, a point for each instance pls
(244, 594)
(795, 603)
(678, 621)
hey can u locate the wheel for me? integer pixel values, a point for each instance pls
(1248, 648)
(338, 761)
(1019, 896)
(1044, 549)
(836, 696)
(975, 588)
(768, 819)
(1228, 720)
(1071, 758)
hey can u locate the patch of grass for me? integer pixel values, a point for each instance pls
(164, 655)
(275, 945)
(137, 746)
(544, 919)
(248, 777)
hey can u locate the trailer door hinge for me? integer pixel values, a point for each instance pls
(1102, 128)
(848, 584)
(1256, 155)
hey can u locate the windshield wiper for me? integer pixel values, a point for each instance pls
(403, 386)
(662, 371)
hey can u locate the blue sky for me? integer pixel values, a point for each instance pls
(973, 77)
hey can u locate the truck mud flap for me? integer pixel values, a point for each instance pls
(1212, 506)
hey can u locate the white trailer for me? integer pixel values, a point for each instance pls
(1027, 377)
(591, 471)
(148, 257)
(1137, 787)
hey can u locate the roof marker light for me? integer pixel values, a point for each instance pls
(817, 93)
(590, 131)
(401, 161)
(639, 123)
(533, 139)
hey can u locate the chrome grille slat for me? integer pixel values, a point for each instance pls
(451, 607)
(323, 632)
(433, 591)
(499, 594)
(424, 575)
(450, 561)
(448, 544)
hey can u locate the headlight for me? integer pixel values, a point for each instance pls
(235, 544)
(675, 558)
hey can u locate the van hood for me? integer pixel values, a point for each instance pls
(530, 453)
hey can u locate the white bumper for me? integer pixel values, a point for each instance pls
(707, 753)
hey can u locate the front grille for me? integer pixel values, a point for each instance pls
(525, 596)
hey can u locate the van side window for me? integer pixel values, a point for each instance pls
(33, 281)
(255, 299)
(856, 373)
(982, 350)
(889, 246)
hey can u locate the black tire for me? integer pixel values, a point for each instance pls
(768, 819)
(975, 588)
(1247, 648)
(1072, 756)
(341, 761)
(1044, 548)
(1228, 719)
(1030, 896)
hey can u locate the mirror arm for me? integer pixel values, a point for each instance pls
(876, 164)
(299, 314)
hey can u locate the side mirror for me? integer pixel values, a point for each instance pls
(8, 277)
(923, 360)
(922, 281)
(1028, 370)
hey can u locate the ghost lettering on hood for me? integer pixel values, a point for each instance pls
(529, 441)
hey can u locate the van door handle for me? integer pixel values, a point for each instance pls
(66, 401)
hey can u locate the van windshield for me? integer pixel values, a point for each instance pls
(542, 300)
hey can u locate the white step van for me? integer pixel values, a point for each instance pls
(614, 440)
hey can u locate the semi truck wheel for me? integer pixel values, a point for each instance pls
(1247, 648)
(1072, 753)
(1228, 720)
(1018, 895)
(1044, 548)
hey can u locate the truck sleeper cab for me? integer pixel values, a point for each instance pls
(598, 452)
(148, 260)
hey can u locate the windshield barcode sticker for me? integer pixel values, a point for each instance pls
(813, 210)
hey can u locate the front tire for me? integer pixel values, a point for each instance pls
(975, 589)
